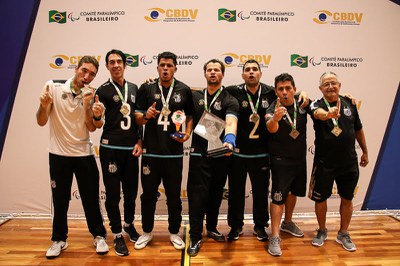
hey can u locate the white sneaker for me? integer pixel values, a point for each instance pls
(101, 246)
(56, 248)
(143, 240)
(177, 241)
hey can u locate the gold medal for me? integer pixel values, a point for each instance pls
(294, 133)
(125, 109)
(165, 111)
(336, 131)
(254, 117)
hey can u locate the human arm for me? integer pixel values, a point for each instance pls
(230, 131)
(333, 112)
(87, 106)
(360, 137)
(98, 112)
(46, 102)
(273, 122)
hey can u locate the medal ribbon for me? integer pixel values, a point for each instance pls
(334, 120)
(119, 92)
(213, 100)
(253, 109)
(292, 123)
(164, 101)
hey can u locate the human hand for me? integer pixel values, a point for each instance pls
(46, 98)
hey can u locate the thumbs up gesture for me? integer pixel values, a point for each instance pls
(46, 98)
(98, 107)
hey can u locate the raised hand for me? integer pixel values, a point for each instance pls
(98, 107)
(46, 98)
(279, 112)
(152, 111)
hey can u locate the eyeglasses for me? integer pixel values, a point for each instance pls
(332, 83)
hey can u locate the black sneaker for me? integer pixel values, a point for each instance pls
(260, 234)
(235, 233)
(131, 232)
(120, 246)
(217, 236)
(194, 248)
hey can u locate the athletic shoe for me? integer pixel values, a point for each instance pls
(319, 240)
(235, 233)
(260, 233)
(101, 246)
(345, 240)
(217, 236)
(176, 241)
(194, 248)
(56, 248)
(131, 232)
(120, 246)
(292, 229)
(143, 240)
(274, 246)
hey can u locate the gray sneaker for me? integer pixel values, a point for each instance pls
(319, 240)
(274, 246)
(345, 240)
(292, 229)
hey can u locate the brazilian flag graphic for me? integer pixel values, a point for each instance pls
(298, 60)
(228, 15)
(132, 60)
(56, 16)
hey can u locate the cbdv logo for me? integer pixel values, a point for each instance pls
(232, 59)
(338, 18)
(61, 61)
(171, 15)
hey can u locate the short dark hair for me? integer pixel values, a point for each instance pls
(89, 59)
(214, 61)
(167, 55)
(284, 77)
(249, 62)
(118, 52)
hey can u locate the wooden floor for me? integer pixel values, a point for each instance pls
(25, 241)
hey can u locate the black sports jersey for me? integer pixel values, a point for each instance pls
(280, 143)
(118, 130)
(332, 150)
(223, 105)
(157, 139)
(252, 137)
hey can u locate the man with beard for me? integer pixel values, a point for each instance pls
(207, 175)
(251, 155)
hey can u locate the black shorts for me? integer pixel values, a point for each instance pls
(287, 176)
(322, 177)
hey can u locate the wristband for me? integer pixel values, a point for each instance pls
(231, 139)
(96, 118)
